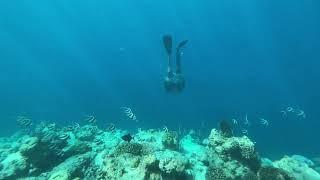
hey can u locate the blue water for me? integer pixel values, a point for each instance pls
(61, 60)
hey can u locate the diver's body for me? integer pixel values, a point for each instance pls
(174, 81)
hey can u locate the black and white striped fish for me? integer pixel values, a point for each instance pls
(111, 127)
(24, 121)
(72, 127)
(91, 119)
(76, 125)
(128, 112)
(53, 146)
(48, 135)
(51, 126)
(98, 141)
(63, 136)
(69, 128)
(59, 152)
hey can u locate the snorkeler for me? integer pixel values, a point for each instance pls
(174, 81)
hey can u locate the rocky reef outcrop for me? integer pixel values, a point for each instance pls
(87, 152)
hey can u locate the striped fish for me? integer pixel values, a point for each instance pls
(63, 136)
(24, 121)
(48, 135)
(59, 152)
(53, 146)
(111, 127)
(69, 128)
(51, 126)
(128, 112)
(98, 141)
(76, 125)
(91, 119)
(72, 127)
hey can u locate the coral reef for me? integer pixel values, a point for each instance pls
(316, 161)
(215, 173)
(297, 168)
(87, 152)
(169, 139)
(241, 149)
(71, 168)
(225, 128)
(14, 165)
(127, 147)
(267, 173)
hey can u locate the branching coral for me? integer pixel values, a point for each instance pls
(132, 148)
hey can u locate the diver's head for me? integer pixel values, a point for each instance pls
(175, 84)
(169, 84)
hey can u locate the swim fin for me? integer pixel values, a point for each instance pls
(167, 42)
(182, 44)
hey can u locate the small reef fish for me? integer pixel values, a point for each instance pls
(59, 152)
(165, 129)
(284, 113)
(234, 121)
(297, 112)
(76, 125)
(24, 121)
(98, 141)
(73, 127)
(246, 121)
(179, 130)
(48, 134)
(301, 113)
(289, 109)
(91, 119)
(53, 146)
(244, 131)
(69, 128)
(264, 122)
(63, 136)
(111, 127)
(51, 126)
(128, 112)
(127, 137)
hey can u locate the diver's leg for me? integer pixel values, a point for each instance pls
(178, 61)
(167, 42)
(178, 55)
